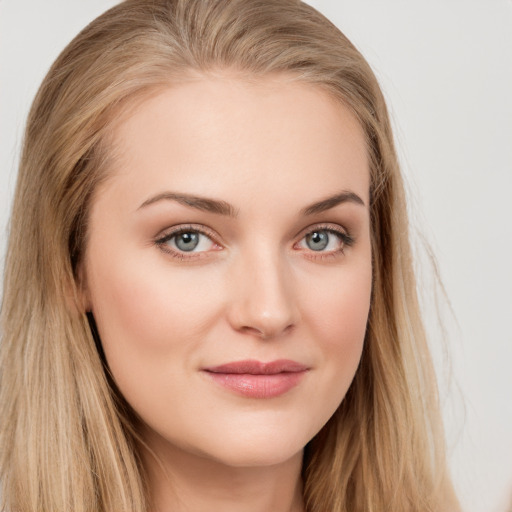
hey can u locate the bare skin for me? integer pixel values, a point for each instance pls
(234, 227)
(251, 489)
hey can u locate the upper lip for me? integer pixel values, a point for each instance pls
(253, 367)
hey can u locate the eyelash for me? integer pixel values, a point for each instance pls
(346, 241)
(161, 242)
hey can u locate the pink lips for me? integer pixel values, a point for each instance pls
(256, 379)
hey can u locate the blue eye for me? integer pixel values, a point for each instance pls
(318, 240)
(186, 241)
(325, 240)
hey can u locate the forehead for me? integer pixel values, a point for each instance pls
(231, 137)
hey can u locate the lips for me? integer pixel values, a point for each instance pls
(257, 368)
(256, 379)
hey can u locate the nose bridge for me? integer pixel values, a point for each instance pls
(263, 300)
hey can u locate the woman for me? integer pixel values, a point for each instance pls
(209, 301)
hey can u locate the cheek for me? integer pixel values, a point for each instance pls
(152, 321)
(338, 314)
(345, 315)
(338, 304)
(147, 312)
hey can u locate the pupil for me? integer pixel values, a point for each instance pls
(187, 241)
(317, 240)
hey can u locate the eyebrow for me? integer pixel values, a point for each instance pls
(224, 208)
(331, 202)
(199, 203)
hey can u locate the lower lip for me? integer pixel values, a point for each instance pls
(258, 386)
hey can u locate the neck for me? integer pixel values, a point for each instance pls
(180, 481)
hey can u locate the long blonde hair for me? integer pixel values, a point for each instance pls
(66, 436)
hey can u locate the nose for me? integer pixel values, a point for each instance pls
(263, 302)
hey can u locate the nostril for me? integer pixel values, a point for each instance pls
(252, 330)
(266, 333)
(264, 307)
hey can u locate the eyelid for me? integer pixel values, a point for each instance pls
(325, 226)
(164, 236)
(346, 237)
(184, 228)
(167, 234)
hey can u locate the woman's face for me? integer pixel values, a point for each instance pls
(228, 265)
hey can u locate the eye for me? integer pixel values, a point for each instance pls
(319, 240)
(325, 240)
(187, 241)
(183, 241)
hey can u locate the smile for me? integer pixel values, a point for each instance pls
(255, 379)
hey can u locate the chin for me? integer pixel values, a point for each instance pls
(258, 458)
(258, 450)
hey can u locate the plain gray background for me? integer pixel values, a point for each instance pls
(446, 69)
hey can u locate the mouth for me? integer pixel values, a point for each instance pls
(256, 379)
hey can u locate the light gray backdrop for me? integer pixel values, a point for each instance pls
(446, 69)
